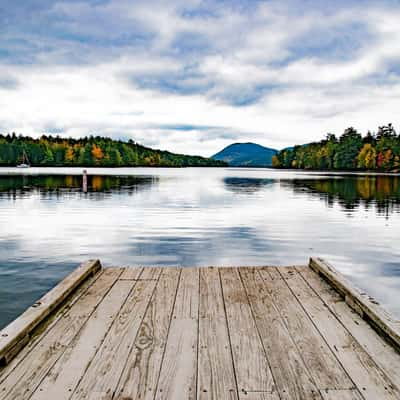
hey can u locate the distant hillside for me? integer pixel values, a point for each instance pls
(246, 155)
(352, 151)
(91, 152)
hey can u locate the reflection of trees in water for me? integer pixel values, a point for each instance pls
(246, 185)
(352, 192)
(61, 184)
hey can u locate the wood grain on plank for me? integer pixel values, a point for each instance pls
(216, 378)
(370, 380)
(341, 395)
(251, 365)
(101, 378)
(149, 273)
(131, 273)
(291, 375)
(142, 369)
(187, 297)
(258, 396)
(360, 301)
(41, 330)
(18, 329)
(378, 348)
(64, 376)
(178, 376)
(322, 364)
(27, 375)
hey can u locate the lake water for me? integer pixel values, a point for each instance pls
(194, 217)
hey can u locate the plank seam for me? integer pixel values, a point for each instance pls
(228, 332)
(366, 306)
(137, 280)
(319, 332)
(137, 333)
(286, 326)
(351, 335)
(78, 332)
(65, 307)
(259, 333)
(105, 336)
(166, 339)
(198, 339)
(344, 326)
(34, 315)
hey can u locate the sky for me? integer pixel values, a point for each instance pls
(194, 76)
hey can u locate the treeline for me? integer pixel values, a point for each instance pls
(91, 151)
(378, 151)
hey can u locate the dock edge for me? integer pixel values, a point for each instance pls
(363, 304)
(15, 335)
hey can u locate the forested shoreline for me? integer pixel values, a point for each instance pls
(93, 151)
(378, 151)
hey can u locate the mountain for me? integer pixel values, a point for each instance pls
(246, 155)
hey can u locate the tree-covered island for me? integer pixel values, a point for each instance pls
(93, 151)
(351, 151)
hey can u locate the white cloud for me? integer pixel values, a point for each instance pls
(265, 74)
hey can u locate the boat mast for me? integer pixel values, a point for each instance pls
(25, 159)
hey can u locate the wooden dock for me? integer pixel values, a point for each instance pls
(263, 333)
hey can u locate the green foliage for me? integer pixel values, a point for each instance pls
(347, 150)
(91, 151)
(350, 152)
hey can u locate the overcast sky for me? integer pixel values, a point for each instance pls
(194, 76)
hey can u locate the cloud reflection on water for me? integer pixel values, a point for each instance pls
(196, 217)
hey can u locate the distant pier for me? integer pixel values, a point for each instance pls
(256, 333)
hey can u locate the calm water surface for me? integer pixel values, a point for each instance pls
(194, 217)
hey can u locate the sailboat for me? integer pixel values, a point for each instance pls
(25, 161)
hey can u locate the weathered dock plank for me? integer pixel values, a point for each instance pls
(142, 369)
(352, 394)
(292, 378)
(101, 378)
(38, 333)
(65, 375)
(322, 364)
(375, 345)
(253, 373)
(216, 378)
(365, 305)
(369, 379)
(259, 395)
(263, 333)
(178, 375)
(27, 375)
(17, 333)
